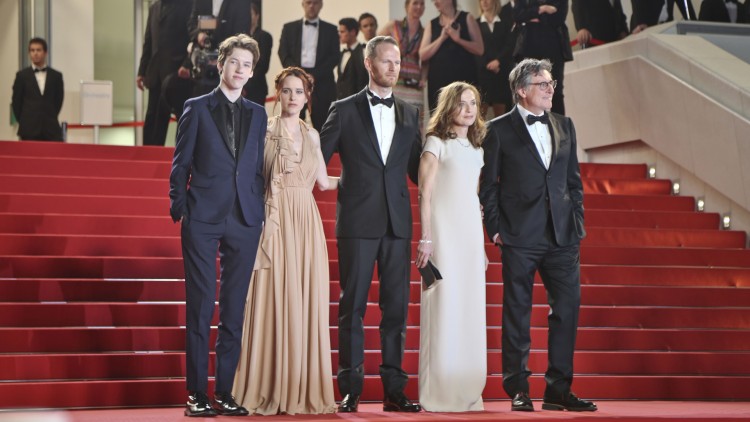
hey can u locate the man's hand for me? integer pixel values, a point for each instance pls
(584, 36)
(183, 72)
(546, 8)
(494, 66)
(639, 28)
(139, 82)
(496, 239)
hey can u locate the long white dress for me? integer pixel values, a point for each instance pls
(453, 327)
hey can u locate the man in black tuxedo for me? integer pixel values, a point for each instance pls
(163, 52)
(232, 17)
(312, 44)
(38, 94)
(543, 34)
(377, 138)
(216, 192)
(352, 75)
(653, 12)
(600, 20)
(532, 196)
(729, 11)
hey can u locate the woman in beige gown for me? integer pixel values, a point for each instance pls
(285, 362)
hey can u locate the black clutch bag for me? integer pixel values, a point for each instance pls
(430, 274)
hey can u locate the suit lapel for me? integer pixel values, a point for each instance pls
(297, 47)
(523, 133)
(214, 107)
(399, 106)
(556, 133)
(366, 116)
(247, 118)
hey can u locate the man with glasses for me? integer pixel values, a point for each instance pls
(532, 196)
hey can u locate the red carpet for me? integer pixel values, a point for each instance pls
(92, 298)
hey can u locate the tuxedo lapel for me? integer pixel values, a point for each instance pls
(523, 133)
(214, 107)
(31, 76)
(297, 37)
(364, 113)
(395, 144)
(247, 120)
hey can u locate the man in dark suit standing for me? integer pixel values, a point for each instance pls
(653, 12)
(216, 192)
(600, 20)
(532, 196)
(729, 11)
(312, 44)
(256, 89)
(377, 138)
(352, 75)
(163, 52)
(38, 94)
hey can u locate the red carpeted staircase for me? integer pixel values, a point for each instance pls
(92, 299)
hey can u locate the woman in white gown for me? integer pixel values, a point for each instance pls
(453, 328)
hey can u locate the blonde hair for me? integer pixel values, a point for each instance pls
(495, 6)
(449, 99)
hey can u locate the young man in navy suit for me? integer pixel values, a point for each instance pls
(216, 192)
(38, 97)
(532, 196)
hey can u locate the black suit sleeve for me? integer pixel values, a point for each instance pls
(59, 94)
(146, 54)
(580, 14)
(265, 45)
(575, 185)
(329, 51)
(19, 93)
(330, 133)
(489, 185)
(286, 53)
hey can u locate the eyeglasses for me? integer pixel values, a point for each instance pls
(544, 85)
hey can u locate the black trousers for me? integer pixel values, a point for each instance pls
(157, 118)
(559, 268)
(357, 259)
(237, 244)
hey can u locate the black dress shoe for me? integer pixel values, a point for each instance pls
(571, 403)
(198, 405)
(521, 402)
(349, 404)
(225, 405)
(399, 403)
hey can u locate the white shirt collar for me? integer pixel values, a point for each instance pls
(483, 19)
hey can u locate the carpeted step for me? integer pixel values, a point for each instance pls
(72, 290)
(163, 339)
(85, 167)
(159, 206)
(171, 392)
(98, 366)
(35, 149)
(172, 268)
(161, 225)
(100, 314)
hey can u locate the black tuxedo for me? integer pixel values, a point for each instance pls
(37, 113)
(546, 39)
(326, 59)
(604, 20)
(217, 191)
(538, 213)
(373, 223)
(256, 89)
(648, 11)
(353, 77)
(716, 11)
(163, 52)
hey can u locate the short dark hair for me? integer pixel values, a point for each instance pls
(367, 15)
(520, 76)
(351, 24)
(373, 44)
(241, 41)
(38, 40)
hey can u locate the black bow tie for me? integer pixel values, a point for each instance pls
(347, 50)
(531, 119)
(40, 69)
(315, 24)
(374, 100)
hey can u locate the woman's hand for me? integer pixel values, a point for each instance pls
(424, 252)
(494, 66)
(546, 8)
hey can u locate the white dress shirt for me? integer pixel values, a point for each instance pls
(384, 120)
(41, 78)
(491, 25)
(346, 54)
(309, 43)
(216, 7)
(540, 135)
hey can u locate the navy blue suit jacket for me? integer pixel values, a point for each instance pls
(206, 178)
